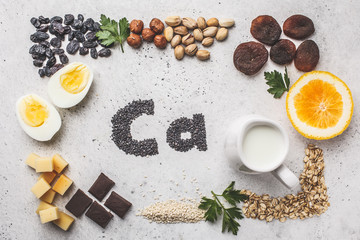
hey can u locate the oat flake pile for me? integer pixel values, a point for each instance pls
(313, 200)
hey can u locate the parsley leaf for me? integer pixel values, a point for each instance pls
(214, 208)
(277, 84)
(112, 32)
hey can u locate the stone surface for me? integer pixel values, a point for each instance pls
(179, 89)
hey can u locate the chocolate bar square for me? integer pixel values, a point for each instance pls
(99, 214)
(78, 203)
(101, 187)
(117, 204)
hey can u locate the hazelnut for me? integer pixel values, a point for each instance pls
(134, 40)
(148, 34)
(160, 41)
(136, 26)
(157, 25)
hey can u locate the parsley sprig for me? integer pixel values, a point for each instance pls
(214, 208)
(277, 84)
(113, 31)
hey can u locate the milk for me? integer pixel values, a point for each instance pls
(263, 146)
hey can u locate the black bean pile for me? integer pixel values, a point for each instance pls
(195, 126)
(121, 133)
(50, 35)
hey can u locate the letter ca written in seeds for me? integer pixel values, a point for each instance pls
(121, 132)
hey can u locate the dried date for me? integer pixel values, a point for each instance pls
(283, 52)
(250, 57)
(298, 27)
(307, 56)
(265, 29)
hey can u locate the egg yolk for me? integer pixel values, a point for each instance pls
(75, 79)
(33, 112)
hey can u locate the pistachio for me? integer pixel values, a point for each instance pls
(212, 22)
(226, 22)
(179, 52)
(221, 34)
(191, 49)
(187, 39)
(201, 23)
(181, 30)
(173, 21)
(169, 33)
(189, 23)
(175, 41)
(203, 55)
(198, 35)
(207, 42)
(210, 31)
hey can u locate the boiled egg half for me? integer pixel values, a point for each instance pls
(37, 117)
(68, 86)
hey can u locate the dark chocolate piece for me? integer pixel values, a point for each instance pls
(117, 204)
(101, 187)
(78, 203)
(98, 214)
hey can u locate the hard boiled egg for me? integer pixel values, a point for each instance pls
(68, 86)
(37, 117)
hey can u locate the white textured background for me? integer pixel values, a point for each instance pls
(178, 88)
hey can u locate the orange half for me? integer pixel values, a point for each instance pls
(319, 105)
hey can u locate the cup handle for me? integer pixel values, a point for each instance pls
(286, 176)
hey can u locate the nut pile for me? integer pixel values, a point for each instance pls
(81, 36)
(152, 34)
(313, 200)
(172, 211)
(178, 33)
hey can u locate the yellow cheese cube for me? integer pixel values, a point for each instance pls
(48, 196)
(64, 221)
(30, 161)
(62, 184)
(43, 206)
(40, 188)
(44, 164)
(48, 176)
(59, 163)
(49, 214)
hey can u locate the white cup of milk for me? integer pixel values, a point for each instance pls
(258, 145)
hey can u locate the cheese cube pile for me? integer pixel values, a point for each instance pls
(49, 169)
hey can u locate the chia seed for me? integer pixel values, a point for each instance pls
(195, 126)
(121, 133)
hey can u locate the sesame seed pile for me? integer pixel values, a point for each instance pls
(195, 126)
(172, 211)
(313, 200)
(121, 132)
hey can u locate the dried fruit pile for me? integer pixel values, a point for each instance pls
(250, 57)
(313, 200)
(81, 36)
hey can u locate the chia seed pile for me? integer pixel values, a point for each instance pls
(195, 126)
(81, 36)
(121, 132)
(172, 211)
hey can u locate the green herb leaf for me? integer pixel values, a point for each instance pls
(277, 84)
(214, 208)
(124, 31)
(233, 196)
(230, 223)
(112, 31)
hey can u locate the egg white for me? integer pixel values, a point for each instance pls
(59, 96)
(48, 129)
